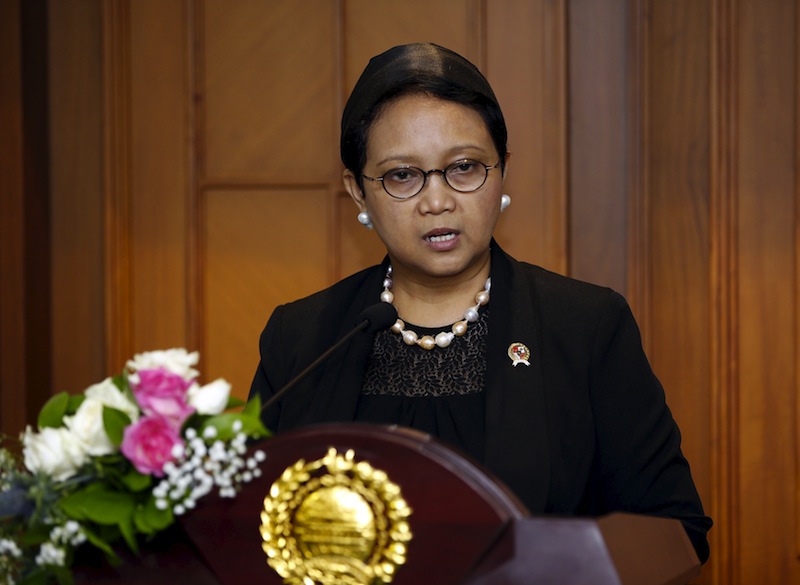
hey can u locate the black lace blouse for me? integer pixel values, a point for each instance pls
(438, 391)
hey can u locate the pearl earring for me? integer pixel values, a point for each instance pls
(505, 201)
(363, 219)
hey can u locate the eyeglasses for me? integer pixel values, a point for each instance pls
(464, 176)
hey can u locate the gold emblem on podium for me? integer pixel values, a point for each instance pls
(335, 521)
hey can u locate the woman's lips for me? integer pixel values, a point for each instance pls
(442, 240)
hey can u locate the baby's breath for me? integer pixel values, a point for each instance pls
(202, 467)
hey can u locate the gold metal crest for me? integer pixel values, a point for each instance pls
(335, 521)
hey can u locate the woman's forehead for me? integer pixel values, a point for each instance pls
(417, 125)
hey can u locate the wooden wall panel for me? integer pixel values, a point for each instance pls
(372, 26)
(159, 182)
(598, 137)
(677, 156)
(724, 389)
(36, 168)
(115, 120)
(255, 260)
(268, 93)
(674, 215)
(13, 409)
(767, 182)
(76, 195)
(526, 65)
(269, 90)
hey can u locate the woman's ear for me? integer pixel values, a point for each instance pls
(352, 188)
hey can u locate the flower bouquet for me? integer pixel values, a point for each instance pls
(119, 462)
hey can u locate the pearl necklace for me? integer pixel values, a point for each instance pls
(443, 338)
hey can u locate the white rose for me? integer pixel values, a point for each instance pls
(87, 427)
(87, 423)
(177, 361)
(108, 393)
(56, 452)
(211, 398)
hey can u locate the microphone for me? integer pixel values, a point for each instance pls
(371, 320)
(379, 316)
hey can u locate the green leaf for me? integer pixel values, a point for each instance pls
(111, 459)
(223, 423)
(193, 421)
(75, 402)
(35, 535)
(114, 422)
(62, 575)
(53, 411)
(259, 431)
(111, 508)
(97, 503)
(234, 402)
(120, 382)
(135, 481)
(149, 519)
(124, 385)
(251, 426)
(74, 505)
(253, 407)
(129, 533)
(99, 542)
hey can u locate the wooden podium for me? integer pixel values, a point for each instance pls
(467, 528)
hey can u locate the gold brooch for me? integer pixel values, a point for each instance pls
(335, 521)
(519, 354)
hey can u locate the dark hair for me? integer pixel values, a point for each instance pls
(422, 68)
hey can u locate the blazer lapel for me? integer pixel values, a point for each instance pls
(516, 448)
(336, 396)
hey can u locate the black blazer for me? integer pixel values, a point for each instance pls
(583, 430)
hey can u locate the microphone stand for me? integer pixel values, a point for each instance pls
(373, 318)
(358, 329)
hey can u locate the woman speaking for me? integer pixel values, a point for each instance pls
(539, 377)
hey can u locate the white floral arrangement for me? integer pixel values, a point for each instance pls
(119, 462)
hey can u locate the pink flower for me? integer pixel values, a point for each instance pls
(163, 393)
(148, 444)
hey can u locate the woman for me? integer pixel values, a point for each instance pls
(546, 383)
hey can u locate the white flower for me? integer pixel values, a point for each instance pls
(56, 452)
(177, 361)
(87, 423)
(211, 398)
(9, 547)
(50, 554)
(108, 393)
(69, 533)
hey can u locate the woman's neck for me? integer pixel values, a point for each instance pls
(440, 301)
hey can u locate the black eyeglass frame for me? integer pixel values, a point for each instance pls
(442, 172)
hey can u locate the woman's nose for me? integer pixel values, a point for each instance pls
(436, 195)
